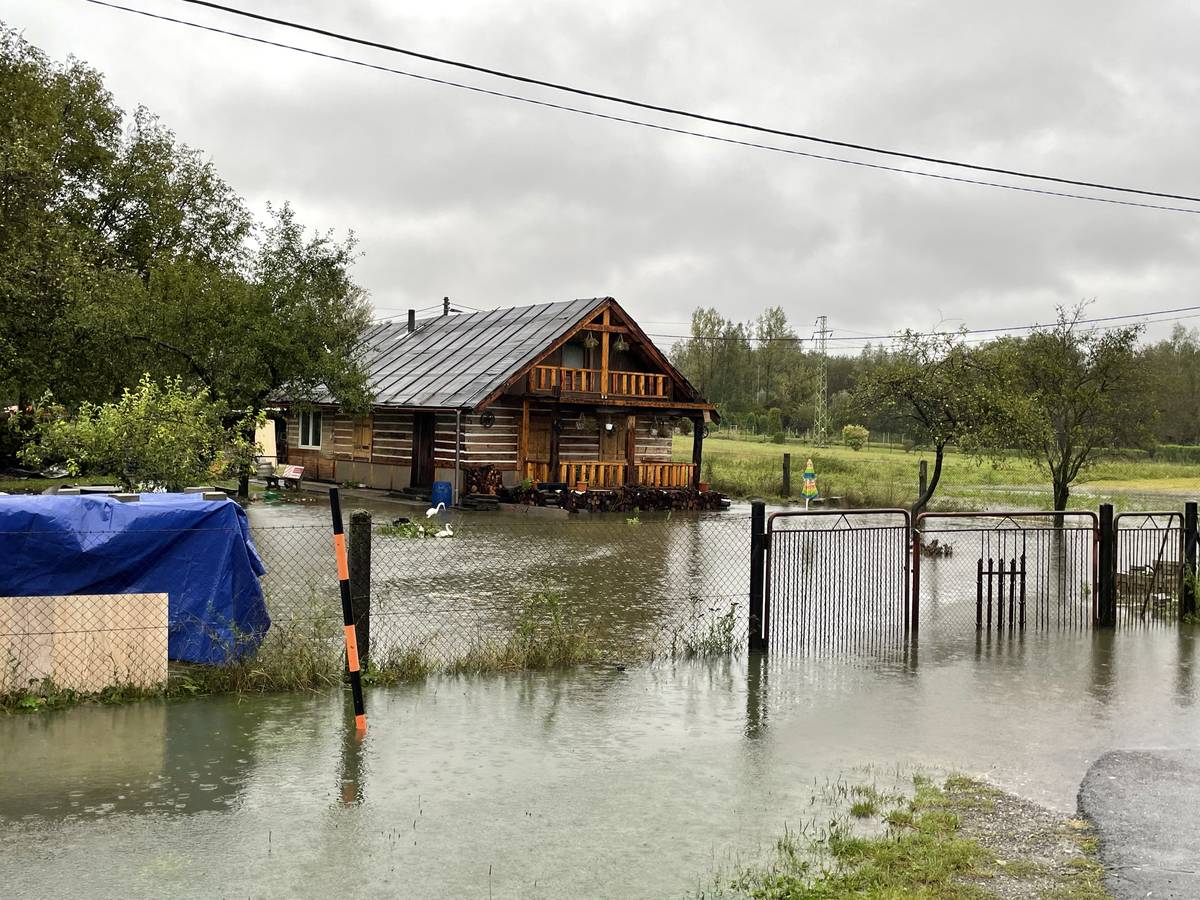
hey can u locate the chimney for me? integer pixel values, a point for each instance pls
(445, 306)
(412, 321)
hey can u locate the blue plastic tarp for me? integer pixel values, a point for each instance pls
(198, 552)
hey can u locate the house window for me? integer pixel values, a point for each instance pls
(310, 430)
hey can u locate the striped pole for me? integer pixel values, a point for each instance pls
(343, 569)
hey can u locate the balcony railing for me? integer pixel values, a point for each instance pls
(563, 380)
(604, 475)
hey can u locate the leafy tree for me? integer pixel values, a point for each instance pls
(943, 392)
(1079, 391)
(123, 251)
(155, 436)
(1173, 366)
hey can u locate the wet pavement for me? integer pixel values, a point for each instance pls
(1146, 806)
(589, 783)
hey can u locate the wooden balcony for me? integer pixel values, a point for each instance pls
(560, 380)
(604, 475)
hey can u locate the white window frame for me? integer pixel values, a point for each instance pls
(310, 418)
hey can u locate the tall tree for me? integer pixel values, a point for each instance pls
(944, 392)
(1081, 390)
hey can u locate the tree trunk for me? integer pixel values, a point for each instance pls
(923, 501)
(243, 488)
(1062, 492)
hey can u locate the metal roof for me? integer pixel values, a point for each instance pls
(455, 361)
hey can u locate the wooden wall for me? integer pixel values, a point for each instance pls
(652, 449)
(392, 438)
(497, 446)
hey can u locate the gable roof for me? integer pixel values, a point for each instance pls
(460, 361)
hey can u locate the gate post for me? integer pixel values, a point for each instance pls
(758, 546)
(360, 580)
(1106, 581)
(787, 474)
(1187, 600)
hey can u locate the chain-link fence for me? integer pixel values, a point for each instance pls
(635, 586)
(999, 572)
(83, 643)
(1150, 568)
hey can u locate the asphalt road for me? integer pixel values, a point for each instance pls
(1146, 807)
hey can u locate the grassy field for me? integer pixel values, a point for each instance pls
(887, 477)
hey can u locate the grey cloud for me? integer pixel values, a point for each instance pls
(495, 202)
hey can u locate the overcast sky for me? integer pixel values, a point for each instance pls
(496, 203)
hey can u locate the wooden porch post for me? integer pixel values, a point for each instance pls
(631, 449)
(697, 449)
(523, 441)
(604, 356)
(555, 424)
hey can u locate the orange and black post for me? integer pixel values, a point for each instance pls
(343, 569)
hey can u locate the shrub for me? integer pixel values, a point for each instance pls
(855, 436)
(778, 438)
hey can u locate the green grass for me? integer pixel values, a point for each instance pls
(922, 852)
(306, 654)
(887, 477)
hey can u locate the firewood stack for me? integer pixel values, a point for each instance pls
(483, 480)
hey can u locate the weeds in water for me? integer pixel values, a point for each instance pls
(543, 639)
(863, 809)
(704, 636)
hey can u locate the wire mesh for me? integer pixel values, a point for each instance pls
(837, 583)
(83, 643)
(1150, 568)
(1004, 572)
(633, 585)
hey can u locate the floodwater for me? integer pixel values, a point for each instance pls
(594, 782)
(630, 580)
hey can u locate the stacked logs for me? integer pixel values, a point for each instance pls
(483, 480)
(625, 499)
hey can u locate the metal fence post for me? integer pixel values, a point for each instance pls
(360, 580)
(787, 474)
(1187, 604)
(758, 544)
(1106, 587)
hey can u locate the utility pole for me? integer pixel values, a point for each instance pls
(821, 399)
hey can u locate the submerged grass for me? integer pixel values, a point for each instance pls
(306, 653)
(920, 848)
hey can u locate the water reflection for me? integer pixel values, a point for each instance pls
(351, 765)
(756, 695)
(150, 757)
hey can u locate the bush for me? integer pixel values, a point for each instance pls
(855, 436)
(778, 438)
(156, 435)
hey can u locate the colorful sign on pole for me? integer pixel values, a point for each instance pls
(809, 491)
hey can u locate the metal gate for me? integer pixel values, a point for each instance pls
(1150, 565)
(836, 579)
(1004, 572)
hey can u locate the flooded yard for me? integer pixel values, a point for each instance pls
(594, 782)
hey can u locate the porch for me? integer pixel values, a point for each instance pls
(559, 381)
(605, 475)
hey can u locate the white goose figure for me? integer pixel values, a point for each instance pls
(434, 510)
(445, 532)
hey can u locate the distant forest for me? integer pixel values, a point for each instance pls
(762, 376)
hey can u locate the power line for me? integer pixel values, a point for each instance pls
(643, 124)
(966, 331)
(641, 104)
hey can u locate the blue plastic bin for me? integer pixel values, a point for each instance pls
(443, 492)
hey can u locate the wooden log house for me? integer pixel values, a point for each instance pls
(570, 392)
